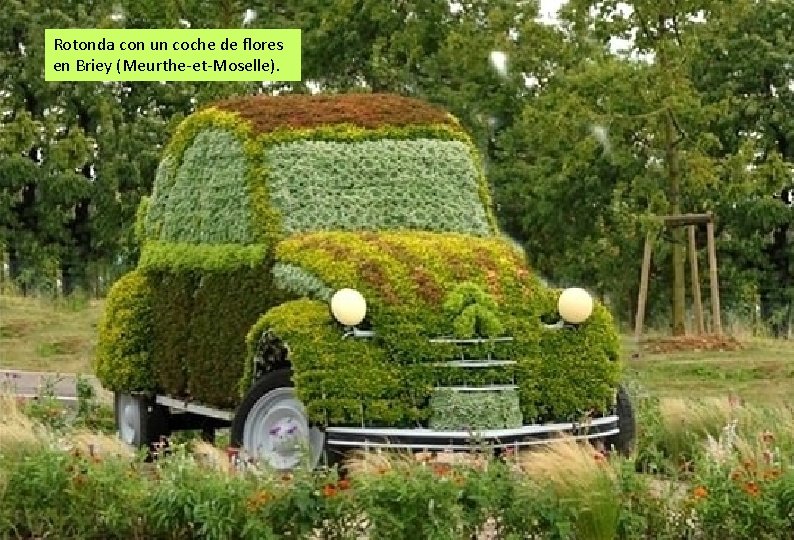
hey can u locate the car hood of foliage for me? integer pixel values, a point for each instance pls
(406, 269)
(422, 285)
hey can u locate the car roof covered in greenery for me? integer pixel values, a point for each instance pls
(252, 170)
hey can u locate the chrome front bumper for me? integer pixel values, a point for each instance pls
(429, 439)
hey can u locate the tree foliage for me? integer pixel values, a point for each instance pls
(583, 144)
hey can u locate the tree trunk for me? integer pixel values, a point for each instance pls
(15, 267)
(773, 298)
(678, 255)
(75, 260)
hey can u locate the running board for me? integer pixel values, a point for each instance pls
(200, 410)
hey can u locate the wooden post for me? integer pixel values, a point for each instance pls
(715, 286)
(643, 295)
(697, 301)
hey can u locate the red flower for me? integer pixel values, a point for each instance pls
(752, 489)
(441, 469)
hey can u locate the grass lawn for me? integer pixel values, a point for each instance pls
(762, 373)
(45, 335)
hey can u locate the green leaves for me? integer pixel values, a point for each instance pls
(474, 312)
(474, 410)
(371, 185)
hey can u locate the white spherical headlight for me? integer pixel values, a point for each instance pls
(348, 307)
(575, 305)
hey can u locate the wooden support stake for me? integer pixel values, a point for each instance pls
(698, 304)
(715, 287)
(646, 269)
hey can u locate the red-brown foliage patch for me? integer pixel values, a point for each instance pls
(692, 344)
(267, 113)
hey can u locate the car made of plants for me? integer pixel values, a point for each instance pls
(326, 272)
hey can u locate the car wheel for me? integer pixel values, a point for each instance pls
(139, 420)
(623, 441)
(271, 425)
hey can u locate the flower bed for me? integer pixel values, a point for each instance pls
(734, 480)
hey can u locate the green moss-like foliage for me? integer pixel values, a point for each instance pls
(209, 201)
(173, 306)
(299, 282)
(140, 220)
(191, 257)
(123, 359)
(158, 201)
(325, 357)
(206, 300)
(406, 279)
(371, 185)
(227, 147)
(473, 411)
(473, 312)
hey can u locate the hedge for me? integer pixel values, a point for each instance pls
(123, 360)
(206, 300)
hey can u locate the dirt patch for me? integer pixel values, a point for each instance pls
(691, 344)
(17, 329)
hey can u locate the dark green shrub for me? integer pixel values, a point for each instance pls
(124, 352)
(204, 300)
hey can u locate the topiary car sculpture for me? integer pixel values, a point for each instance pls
(326, 272)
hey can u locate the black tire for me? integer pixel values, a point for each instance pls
(623, 442)
(139, 420)
(278, 378)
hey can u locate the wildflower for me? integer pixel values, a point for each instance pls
(382, 470)
(768, 456)
(768, 437)
(599, 457)
(286, 477)
(343, 484)
(329, 490)
(749, 465)
(751, 488)
(441, 469)
(700, 492)
(771, 474)
(258, 499)
(737, 475)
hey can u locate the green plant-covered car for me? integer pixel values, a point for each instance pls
(328, 271)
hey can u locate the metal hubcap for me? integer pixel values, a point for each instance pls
(277, 431)
(129, 420)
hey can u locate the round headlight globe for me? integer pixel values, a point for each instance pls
(575, 305)
(348, 307)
